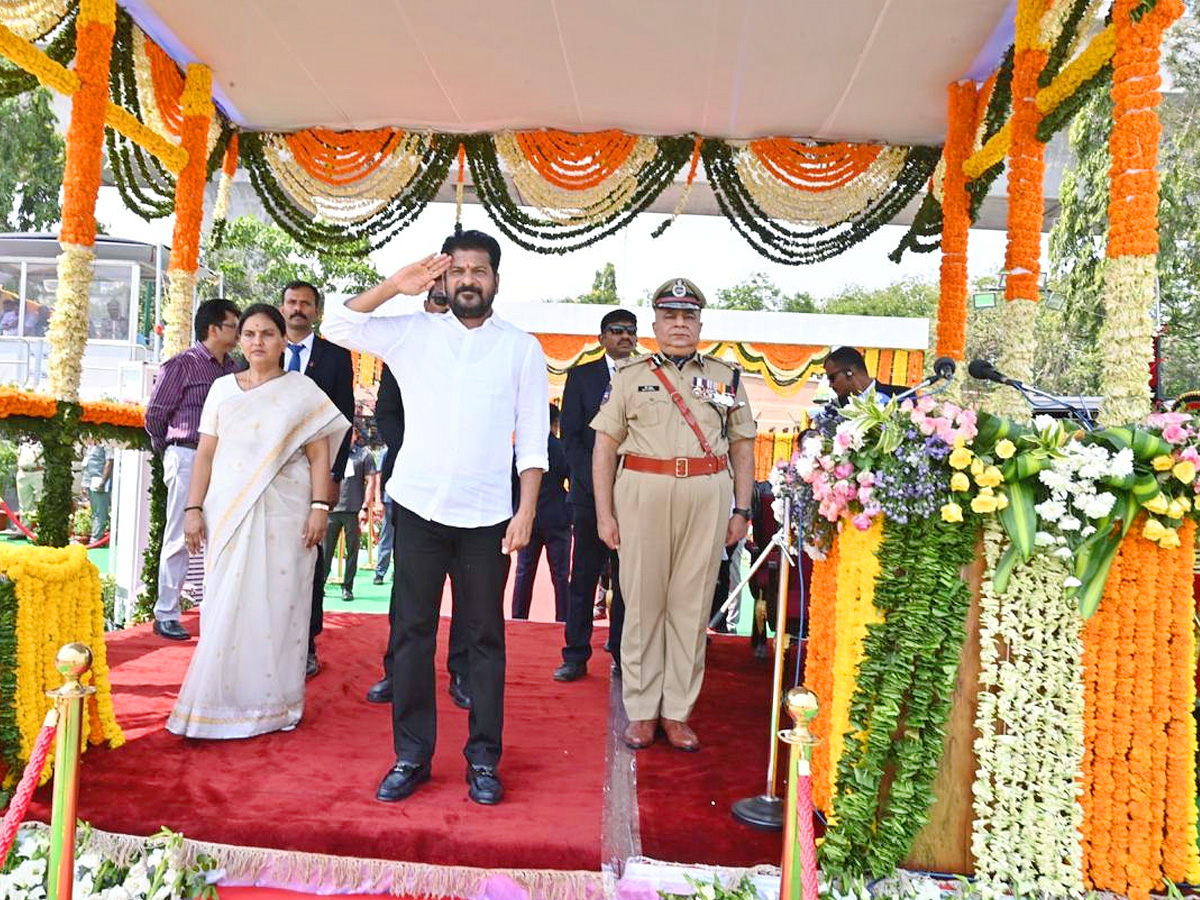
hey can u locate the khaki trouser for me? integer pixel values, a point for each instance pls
(672, 534)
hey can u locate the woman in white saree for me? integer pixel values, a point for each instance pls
(259, 499)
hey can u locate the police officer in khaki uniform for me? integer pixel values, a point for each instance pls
(683, 432)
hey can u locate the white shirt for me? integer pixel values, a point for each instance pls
(466, 392)
(612, 366)
(306, 346)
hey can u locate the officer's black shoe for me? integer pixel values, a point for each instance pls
(483, 785)
(311, 666)
(378, 579)
(171, 630)
(458, 692)
(348, 594)
(380, 691)
(401, 780)
(569, 671)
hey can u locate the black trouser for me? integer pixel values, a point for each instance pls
(557, 542)
(426, 553)
(587, 561)
(317, 615)
(339, 522)
(456, 657)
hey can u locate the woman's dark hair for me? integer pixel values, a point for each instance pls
(263, 309)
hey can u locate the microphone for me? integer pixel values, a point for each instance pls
(944, 367)
(983, 370)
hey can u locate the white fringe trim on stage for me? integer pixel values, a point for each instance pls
(325, 874)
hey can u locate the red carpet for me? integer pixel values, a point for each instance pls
(684, 798)
(313, 789)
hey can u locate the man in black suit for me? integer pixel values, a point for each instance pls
(331, 368)
(585, 388)
(551, 529)
(389, 417)
(848, 377)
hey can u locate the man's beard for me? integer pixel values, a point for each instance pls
(477, 307)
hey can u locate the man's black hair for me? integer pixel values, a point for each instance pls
(474, 240)
(618, 315)
(847, 358)
(298, 285)
(212, 312)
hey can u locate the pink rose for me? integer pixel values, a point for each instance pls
(864, 494)
(844, 470)
(1191, 455)
(842, 440)
(865, 477)
(1175, 434)
(862, 522)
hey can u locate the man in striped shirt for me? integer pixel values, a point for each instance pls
(173, 422)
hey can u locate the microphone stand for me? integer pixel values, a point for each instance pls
(927, 383)
(1080, 415)
(777, 540)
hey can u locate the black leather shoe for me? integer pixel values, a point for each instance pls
(380, 691)
(378, 579)
(401, 780)
(347, 595)
(458, 692)
(483, 785)
(570, 671)
(312, 667)
(171, 630)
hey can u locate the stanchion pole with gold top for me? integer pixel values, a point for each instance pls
(799, 845)
(72, 662)
(766, 809)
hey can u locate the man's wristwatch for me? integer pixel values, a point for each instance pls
(741, 511)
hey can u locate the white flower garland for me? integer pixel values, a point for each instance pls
(352, 202)
(68, 332)
(151, 114)
(1028, 820)
(1127, 339)
(567, 207)
(30, 19)
(1018, 319)
(177, 311)
(792, 202)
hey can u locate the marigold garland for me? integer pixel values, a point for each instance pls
(818, 668)
(57, 593)
(576, 162)
(32, 20)
(40, 65)
(177, 311)
(962, 118)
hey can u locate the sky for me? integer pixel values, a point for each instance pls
(704, 249)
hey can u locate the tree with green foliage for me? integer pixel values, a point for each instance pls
(758, 292)
(604, 288)
(1077, 240)
(32, 155)
(258, 259)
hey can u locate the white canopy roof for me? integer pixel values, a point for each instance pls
(860, 70)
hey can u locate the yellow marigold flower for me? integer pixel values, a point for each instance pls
(986, 502)
(960, 482)
(989, 477)
(960, 458)
(1163, 463)
(1157, 505)
(952, 512)
(1005, 449)
(1185, 471)
(1170, 539)
(1153, 530)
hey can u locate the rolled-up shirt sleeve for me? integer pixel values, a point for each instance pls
(364, 332)
(533, 411)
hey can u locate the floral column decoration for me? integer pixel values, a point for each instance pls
(189, 210)
(1129, 274)
(225, 189)
(68, 332)
(1026, 172)
(956, 221)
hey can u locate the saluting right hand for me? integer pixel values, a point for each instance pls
(606, 528)
(418, 277)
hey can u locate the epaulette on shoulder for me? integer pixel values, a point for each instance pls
(633, 361)
(732, 367)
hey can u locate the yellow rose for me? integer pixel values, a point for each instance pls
(1185, 471)
(1185, 502)
(1157, 505)
(1170, 539)
(951, 512)
(1002, 501)
(986, 502)
(1176, 510)
(977, 467)
(960, 458)
(1153, 530)
(960, 482)
(1163, 463)
(989, 477)
(1005, 449)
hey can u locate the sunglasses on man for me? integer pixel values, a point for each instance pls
(622, 329)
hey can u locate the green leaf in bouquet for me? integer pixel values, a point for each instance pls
(1019, 518)
(1089, 593)
(1004, 568)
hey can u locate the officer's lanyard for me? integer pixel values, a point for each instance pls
(683, 408)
